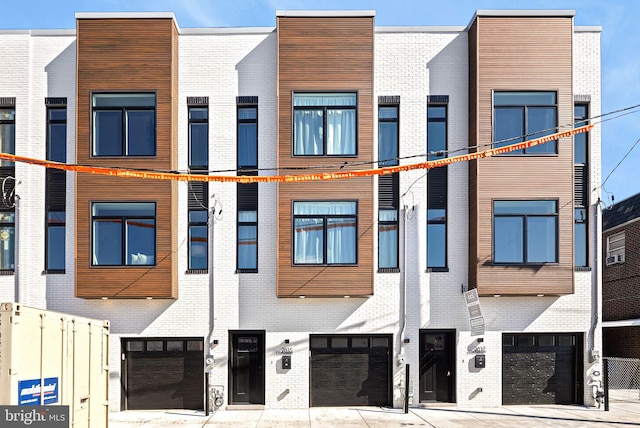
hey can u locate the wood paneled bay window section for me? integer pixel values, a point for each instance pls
(247, 194)
(7, 179)
(124, 124)
(324, 124)
(388, 185)
(56, 183)
(198, 196)
(437, 184)
(522, 116)
(525, 232)
(325, 232)
(123, 233)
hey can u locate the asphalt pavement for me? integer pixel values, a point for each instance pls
(620, 414)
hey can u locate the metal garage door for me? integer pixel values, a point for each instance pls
(352, 370)
(541, 368)
(163, 373)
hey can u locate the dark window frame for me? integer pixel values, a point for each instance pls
(579, 206)
(324, 217)
(57, 223)
(194, 224)
(439, 154)
(11, 226)
(395, 203)
(525, 217)
(124, 109)
(324, 109)
(12, 122)
(240, 107)
(123, 221)
(198, 121)
(525, 133)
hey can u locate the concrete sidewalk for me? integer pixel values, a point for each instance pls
(621, 414)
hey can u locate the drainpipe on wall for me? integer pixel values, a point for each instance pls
(16, 252)
(597, 289)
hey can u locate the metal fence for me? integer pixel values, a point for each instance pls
(622, 378)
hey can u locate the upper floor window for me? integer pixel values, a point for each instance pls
(437, 185)
(57, 134)
(198, 137)
(7, 239)
(124, 233)
(522, 116)
(124, 124)
(525, 232)
(615, 248)
(56, 226)
(324, 232)
(198, 239)
(580, 146)
(388, 187)
(247, 137)
(7, 133)
(324, 124)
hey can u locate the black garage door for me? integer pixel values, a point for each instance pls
(352, 370)
(163, 373)
(541, 368)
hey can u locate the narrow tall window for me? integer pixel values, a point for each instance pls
(522, 116)
(581, 187)
(7, 179)
(388, 185)
(7, 133)
(247, 194)
(198, 137)
(437, 183)
(324, 124)
(55, 190)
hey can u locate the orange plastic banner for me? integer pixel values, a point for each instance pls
(154, 175)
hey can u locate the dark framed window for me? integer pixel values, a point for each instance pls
(123, 233)
(7, 133)
(7, 240)
(247, 240)
(56, 230)
(247, 136)
(525, 232)
(437, 184)
(388, 188)
(124, 124)
(581, 187)
(324, 124)
(522, 116)
(198, 137)
(324, 233)
(198, 239)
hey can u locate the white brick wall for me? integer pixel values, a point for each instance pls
(412, 64)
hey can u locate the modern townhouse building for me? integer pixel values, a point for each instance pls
(481, 276)
(621, 278)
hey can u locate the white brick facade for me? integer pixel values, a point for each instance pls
(224, 64)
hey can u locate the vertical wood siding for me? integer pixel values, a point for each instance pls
(520, 54)
(128, 55)
(325, 54)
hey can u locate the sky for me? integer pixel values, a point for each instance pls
(620, 47)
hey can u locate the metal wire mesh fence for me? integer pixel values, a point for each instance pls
(623, 378)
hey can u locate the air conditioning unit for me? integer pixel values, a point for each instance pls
(615, 259)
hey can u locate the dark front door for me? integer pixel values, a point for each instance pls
(247, 367)
(437, 356)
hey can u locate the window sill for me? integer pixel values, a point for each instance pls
(246, 270)
(7, 272)
(525, 265)
(437, 269)
(196, 271)
(53, 272)
(582, 269)
(388, 270)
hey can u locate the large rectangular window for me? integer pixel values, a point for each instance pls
(247, 136)
(124, 124)
(324, 233)
(437, 184)
(522, 116)
(123, 233)
(7, 133)
(525, 232)
(388, 189)
(198, 137)
(615, 248)
(324, 124)
(581, 187)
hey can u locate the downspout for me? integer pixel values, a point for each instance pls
(597, 289)
(211, 224)
(403, 288)
(16, 250)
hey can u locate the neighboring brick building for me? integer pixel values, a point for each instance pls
(311, 293)
(621, 278)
